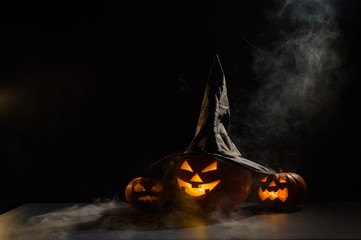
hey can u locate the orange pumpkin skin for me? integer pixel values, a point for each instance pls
(279, 191)
(211, 183)
(148, 194)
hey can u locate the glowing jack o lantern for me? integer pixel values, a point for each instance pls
(281, 194)
(146, 193)
(212, 183)
(201, 188)
(281, 190)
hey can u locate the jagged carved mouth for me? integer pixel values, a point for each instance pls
(280, 194)
(201, 189)
(148, 198)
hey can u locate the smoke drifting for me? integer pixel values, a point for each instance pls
(50, 225)
(300, 75)
(87, 221)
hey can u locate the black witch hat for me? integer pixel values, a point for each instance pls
(211, 135)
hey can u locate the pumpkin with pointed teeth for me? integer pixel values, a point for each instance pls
(281, 190)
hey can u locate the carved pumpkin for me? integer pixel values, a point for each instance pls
(146, 193)
(281, 190)
(212, 183)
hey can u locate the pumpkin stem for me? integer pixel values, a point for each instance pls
(279, 170)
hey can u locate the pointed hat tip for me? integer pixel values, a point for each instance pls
(217, 61)
(216, 71)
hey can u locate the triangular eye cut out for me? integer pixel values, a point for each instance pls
(282, 180)
(272, 184)
(185, 166)
(211, 167)
(139, 187)
(264, 179)
(196, 178)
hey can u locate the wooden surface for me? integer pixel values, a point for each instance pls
(323, 220)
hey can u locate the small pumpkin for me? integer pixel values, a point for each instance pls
(147, 194)
(281, 190)
(212, 183)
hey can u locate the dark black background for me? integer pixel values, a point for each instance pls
(91, 94)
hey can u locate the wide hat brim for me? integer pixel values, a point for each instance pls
(235, 161)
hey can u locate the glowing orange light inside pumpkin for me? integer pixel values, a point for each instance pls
(282, 180)
(156, 188)
(272, 184)
(211, 167)
(280, 194)
(148, 198)
(264, 179)
(200, 188)
(185, 166)
(196, 178)
(139, 187)
(198, 191)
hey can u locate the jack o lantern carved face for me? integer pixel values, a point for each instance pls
(197, 187)
(150, 193)
(281, 190)
(211, 182)
(146, 193)
(274, 190)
